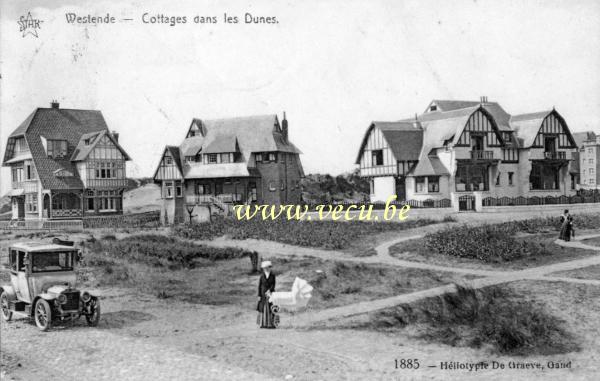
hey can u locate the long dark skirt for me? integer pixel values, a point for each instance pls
(265, 317)
(565, 232)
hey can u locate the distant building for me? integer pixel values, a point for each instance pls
(65, 164)
(229, 161)
(461, 147)
(589, 158)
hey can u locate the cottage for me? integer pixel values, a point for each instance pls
(65, 164)
(229, 161)
(460, 148)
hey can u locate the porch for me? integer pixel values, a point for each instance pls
(225, 190)
(66, 204)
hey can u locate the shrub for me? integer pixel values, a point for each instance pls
(488, 243)
(325, 234)
(158, 250)
(493, 316)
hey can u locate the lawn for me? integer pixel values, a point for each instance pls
(321, 234)
(226, 277)
(592, 241)
(590, 272)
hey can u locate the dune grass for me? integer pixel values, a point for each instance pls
(494, 317)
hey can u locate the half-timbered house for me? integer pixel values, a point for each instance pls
(457, 148)
(65, 164)
(229, 161)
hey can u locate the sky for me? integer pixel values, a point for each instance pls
(333, 66)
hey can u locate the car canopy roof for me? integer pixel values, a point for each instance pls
(41, 247)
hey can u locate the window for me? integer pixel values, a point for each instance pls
(592, 181)
(510, 178)
(212, 158)
(433, 184)
(471, 178)
(203, 189)
(52, 261)
(106, 170)
(90, 200)
(591, 171)
(57, 148)
(477, 142)
(283, 155)
(29, 173)
(590, 150)
(31, 203)
(498, 179)
(258, 157)
(22, 261)
(225, 158)
(17, 175)
(252, 186)
(168, 189)
(272, 157)
(543, 177)
(573, 181)
(190, 159)
(218, 188)
(591, 161)
(168, 160)
(420, 184)
(179, 189)
(13, 260)
(433, 108)
(377, 157)
(372, 186)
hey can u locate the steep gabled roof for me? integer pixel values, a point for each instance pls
(58, 124)
(449, 105)
(403, 138)
(83, 150)
(174, 151)
(527, 126)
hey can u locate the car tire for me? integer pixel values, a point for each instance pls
(94, 318)
(43, 315)
(4, 307)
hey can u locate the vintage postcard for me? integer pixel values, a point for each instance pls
(299, 190)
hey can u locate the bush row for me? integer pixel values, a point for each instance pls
(324, 234)
(156, 250)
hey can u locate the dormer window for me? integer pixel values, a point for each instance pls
(212, 158)
(433, 108)
(87, 142)
(57, 149)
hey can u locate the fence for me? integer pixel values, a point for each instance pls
(378, 205)
(74, 225)
(548, 200)
(137, 220)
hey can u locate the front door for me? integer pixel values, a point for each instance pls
(400, 188)
(20, 203)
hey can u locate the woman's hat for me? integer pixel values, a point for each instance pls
(265, 264)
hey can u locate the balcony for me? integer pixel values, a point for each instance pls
(227, 198)
(557, 155)
(482, 155)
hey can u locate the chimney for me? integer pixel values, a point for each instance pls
(483, 100)
(115, 136)
(54, 104)
(416, 123)
(284, 128)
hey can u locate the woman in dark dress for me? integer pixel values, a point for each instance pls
(266, 286)
(566, 227)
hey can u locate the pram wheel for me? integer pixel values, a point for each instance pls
(275, 309)
(276, 320)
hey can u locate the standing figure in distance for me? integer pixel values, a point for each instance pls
(566, 227)
(266, 286)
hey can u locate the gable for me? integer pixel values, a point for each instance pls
(169, 167)
(554, 126)
(480, 123)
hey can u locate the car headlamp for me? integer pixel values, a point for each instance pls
(62, 298)
(86, 297)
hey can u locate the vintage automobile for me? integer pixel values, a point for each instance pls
(42, 278)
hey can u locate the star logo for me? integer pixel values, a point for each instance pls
(29, 25)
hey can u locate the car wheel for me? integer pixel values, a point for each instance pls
(43, 315)
(4, 307)
(94, 318)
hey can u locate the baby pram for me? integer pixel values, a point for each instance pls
(295, 299)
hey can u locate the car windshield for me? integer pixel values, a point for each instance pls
(52, 261)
